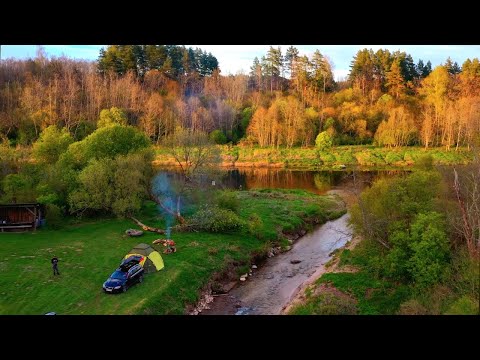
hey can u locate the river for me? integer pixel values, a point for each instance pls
(273, 286)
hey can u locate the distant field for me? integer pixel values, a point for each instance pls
(90, 251)
(310, 158)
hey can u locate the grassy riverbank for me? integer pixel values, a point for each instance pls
(412, 260)
(90, 250)
(311, 158)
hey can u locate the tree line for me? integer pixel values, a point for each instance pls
(287, 99)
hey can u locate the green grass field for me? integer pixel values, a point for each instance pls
(89, 251)
(311, 159)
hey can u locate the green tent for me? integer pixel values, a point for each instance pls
(152, 259)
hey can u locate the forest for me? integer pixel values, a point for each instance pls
(287, 100)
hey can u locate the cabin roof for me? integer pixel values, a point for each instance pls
(19, 205)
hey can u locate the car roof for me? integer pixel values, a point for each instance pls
(128, 263)
(128, 267)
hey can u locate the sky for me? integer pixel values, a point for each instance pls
(236, 58)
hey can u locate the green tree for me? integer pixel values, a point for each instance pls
(452, 67)
(96, 190)
(323, 141)
(109, 142)
(274, 65)
(112, 116)
(8, 161)
(218, 137)
(115, 186)
(52, 143)
(291, 56)
(322, 76)
(18, 188)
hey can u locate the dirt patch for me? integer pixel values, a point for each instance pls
(369, 292)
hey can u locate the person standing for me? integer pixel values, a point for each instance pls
(55, 266)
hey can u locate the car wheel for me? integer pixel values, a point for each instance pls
(124, 288)
(140, 278)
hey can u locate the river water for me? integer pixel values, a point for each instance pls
(273, 286)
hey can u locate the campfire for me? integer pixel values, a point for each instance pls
(168, 243)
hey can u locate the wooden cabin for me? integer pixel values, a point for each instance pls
(20, 217)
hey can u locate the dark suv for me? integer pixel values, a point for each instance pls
(124, 277)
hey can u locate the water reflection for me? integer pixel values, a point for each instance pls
(315, 181)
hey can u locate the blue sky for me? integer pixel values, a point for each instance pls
(235, 58)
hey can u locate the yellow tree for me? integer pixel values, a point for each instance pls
(434, 88)
(395, 81)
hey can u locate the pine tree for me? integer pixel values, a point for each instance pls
(395, 80)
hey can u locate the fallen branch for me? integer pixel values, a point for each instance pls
(176, 214)
(148, 228)
(179, 228)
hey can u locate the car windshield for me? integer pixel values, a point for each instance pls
(119, 275)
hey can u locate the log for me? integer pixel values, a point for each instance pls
(177, 215)
(148, 228)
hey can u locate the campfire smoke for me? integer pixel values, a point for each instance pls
(162, 189)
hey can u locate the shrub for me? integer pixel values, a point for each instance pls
(425, 162)
(216, 220)
(430, 249)
(228, 200)
(465, 274)
(323, 141)
(464, 306)
(218, 137)
(326, 157)
(255, 225)
(393, 157)
(326, 304)
(53, 216)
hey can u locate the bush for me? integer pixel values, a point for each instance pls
(228, 200)
(326, 304)
(430, 249)
(218, 137)
(323, 141)
(53, 216)
(216, 220)
(393, 157)
(255, 225)
(464, 306)
(425, 162)
(326, 157)
(465, 274)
